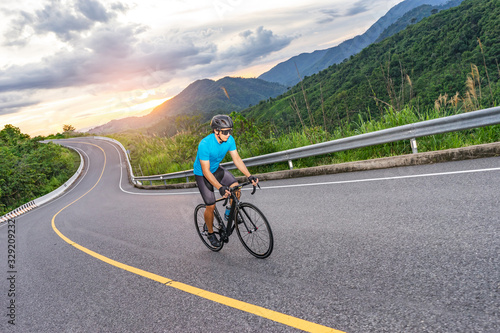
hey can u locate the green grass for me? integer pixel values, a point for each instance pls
(152, 155)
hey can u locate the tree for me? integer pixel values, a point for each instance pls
(29, 169)
(68, 128)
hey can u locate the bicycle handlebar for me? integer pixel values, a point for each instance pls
(234, 188)
(244, 184)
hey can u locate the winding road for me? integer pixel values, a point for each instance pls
(413, 249)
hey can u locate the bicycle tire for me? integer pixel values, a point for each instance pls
(199, 221)
(254, 231)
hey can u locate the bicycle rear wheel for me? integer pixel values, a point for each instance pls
(201, 227)
(254, 231)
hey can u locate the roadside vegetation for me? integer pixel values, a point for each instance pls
(30, 169)
(153, 155)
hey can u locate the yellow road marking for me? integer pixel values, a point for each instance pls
(231, 302)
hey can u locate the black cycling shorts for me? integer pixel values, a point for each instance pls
(223, 176)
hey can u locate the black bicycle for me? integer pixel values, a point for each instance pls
(251, 225)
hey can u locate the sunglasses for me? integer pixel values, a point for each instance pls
(226, 132)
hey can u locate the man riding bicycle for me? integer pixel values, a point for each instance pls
(209, 174)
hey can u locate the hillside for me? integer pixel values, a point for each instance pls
(30, 169)
(414, 16)
(203, 97)
(310, 63)
(415, 67)
(207, 96)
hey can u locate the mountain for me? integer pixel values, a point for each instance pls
(208, 96)
(452, 53)
(285, 73)
(414, 16)
(203, 97)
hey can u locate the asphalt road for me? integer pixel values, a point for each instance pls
(413, 249)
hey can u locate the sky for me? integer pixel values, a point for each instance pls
(86, 62)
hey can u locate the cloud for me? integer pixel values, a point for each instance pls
(66, 19)
(94, 11)
(327, 15)
(12, 102)
(357, 8)
(254, 45)
(120, 7)
(109, 56)
(114, 41)
(120, 57)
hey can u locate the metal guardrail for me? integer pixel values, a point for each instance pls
(125, 152)
(481, 118)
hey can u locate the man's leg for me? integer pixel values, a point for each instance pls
(207, 193)
(209, 221)
(209, 218)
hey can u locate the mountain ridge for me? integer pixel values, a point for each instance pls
(202, 97)
(414, 16)
(310, 63)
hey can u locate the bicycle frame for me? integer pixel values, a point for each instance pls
(235, 203)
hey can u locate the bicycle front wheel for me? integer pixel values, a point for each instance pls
(254, 231)
(201, 227)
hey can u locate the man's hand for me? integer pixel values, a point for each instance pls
(224, 191)
(253, 179)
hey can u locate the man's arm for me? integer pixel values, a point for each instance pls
(240, 164)
(205, 167)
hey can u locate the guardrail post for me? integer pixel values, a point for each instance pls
(290, 164)
(187, 179)
(413, 143)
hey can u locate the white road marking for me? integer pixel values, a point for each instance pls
(384, 178)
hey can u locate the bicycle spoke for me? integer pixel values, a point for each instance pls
(254, 231)
(201, 228)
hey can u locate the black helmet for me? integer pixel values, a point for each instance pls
(221, 121)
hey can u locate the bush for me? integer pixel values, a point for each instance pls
(30, 169)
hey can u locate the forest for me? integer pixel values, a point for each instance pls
(30, 169)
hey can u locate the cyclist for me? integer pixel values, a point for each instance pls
(209, 174)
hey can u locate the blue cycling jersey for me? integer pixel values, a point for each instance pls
(211, 150)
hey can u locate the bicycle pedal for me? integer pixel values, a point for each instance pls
(224, 237)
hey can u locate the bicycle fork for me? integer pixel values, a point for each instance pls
(249, 224)
(227, 230)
